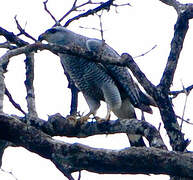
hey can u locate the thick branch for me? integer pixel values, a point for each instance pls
(175, 4)
(181, 28)
(73, 127)
(29, 62)
(75, 157)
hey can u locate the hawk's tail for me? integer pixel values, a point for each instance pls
(145, 102)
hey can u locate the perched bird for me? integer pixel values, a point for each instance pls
(99, 81)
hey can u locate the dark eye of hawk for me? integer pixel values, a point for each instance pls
(52, 31)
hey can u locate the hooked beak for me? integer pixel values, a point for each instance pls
(42, 37)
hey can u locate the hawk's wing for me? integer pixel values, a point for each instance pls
(127, 86)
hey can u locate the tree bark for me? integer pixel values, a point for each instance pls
(70, 158)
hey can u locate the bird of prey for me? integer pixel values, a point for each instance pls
(99, 81)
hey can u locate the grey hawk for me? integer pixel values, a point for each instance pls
(99, 81)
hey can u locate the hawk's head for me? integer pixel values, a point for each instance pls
(56, 35)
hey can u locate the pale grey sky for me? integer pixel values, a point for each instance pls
(133, 29)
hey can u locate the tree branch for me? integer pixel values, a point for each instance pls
(29, 66)
(12, 38)
(76, 157)
(72, 126)
(22, 31)
(161, 97)
(181, 29)
(16, 105)
(174, 94)
(175, 4)
(74, 8)
(47, 10)
(105, 5)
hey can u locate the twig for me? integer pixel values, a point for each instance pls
(145, 52)
(16, 105)
(185, 103)
(92, 28)
(185, 120)
(47, 10)
(74, 8)
(117, 5)
(176, 93)
(79, 175)
(22, 31)
(9, 172)
(2, 88)
(159, 127)
(101, 26)
(105, 5)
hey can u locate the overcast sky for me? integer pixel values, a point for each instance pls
(134, 29)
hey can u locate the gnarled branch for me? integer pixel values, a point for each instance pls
(70, 158)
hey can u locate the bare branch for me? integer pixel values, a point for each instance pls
(70, 158)
(2, 88)
(168, 115)
(79, 175)
(175, 4)
(47, 10)
(74, 8)
(176, 93)
(181, 29)
(22, 31)
(72, 126)
(125, 60)
(12, 38)
(29, 62)
(185, 103)
(101, 26)
(118, 5)
(185, 120)
(105, 5)
(9, 172)
(16, 105)
(7, 45)
(146, 52)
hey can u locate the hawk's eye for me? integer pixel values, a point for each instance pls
(52, 31)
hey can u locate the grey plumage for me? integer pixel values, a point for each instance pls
(110, 83)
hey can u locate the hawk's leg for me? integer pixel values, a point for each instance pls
(108, 115)
(93, 106)
(123, 109)
(112, 97)
(127, 111)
